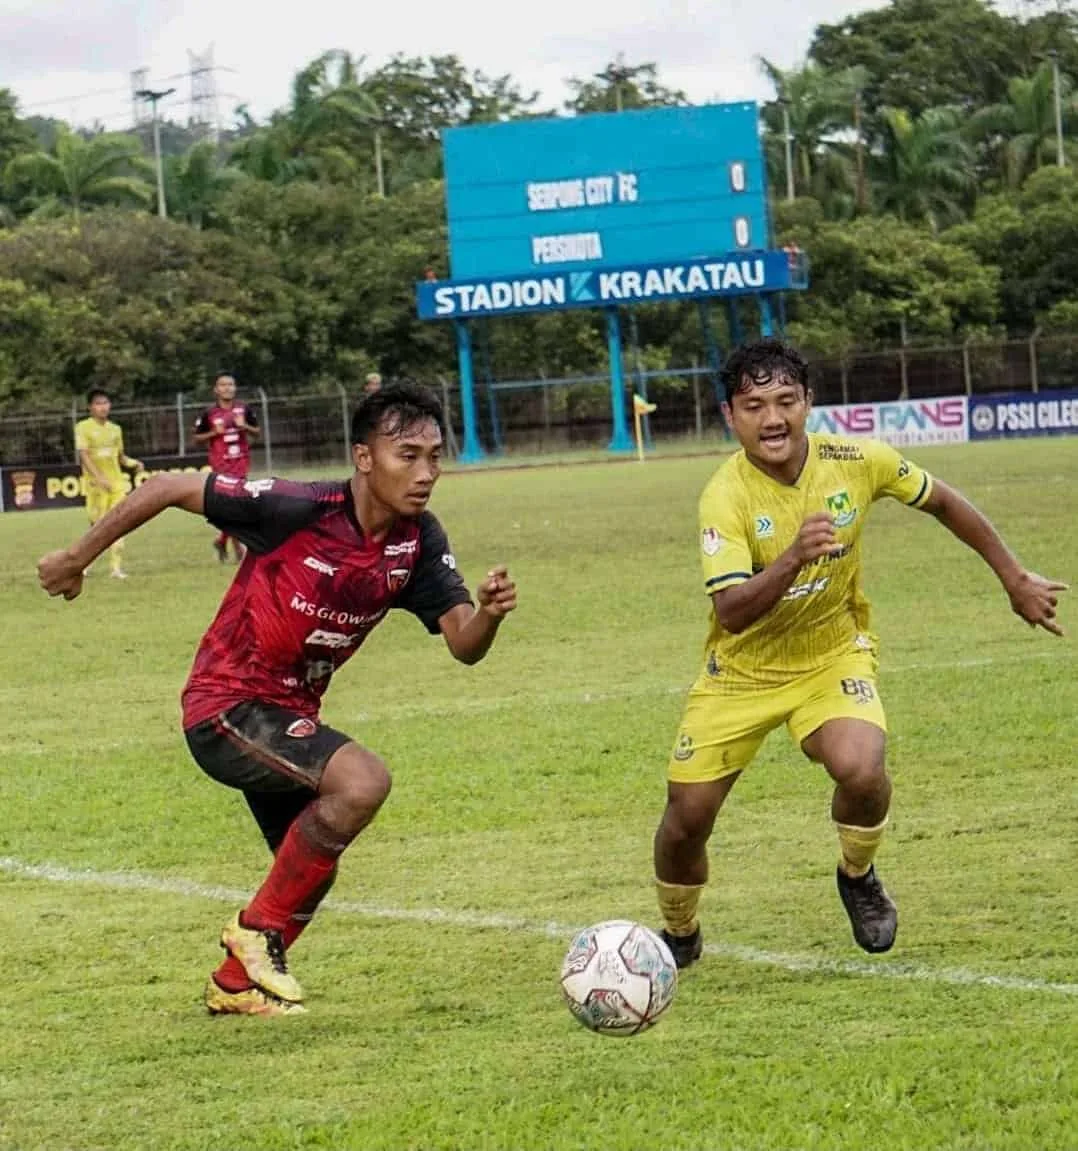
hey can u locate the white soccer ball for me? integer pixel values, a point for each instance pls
(618, 977)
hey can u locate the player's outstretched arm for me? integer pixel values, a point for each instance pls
(469, 631)
(60, 572)
(1032, 597)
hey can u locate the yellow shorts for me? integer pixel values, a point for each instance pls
(99, 501)
(722, 727)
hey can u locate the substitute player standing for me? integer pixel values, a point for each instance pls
(228, 427)
(780, 532)
(325, 564)
(100, 445)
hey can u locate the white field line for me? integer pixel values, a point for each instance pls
(636, 690)
(806, 964)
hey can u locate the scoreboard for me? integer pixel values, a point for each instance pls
(605, 191)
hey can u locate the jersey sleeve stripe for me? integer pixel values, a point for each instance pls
(716, 580)
(921, 494)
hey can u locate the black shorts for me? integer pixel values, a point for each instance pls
(274, 756)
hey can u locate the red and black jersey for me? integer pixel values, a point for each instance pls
(310, 590)
(230, 452)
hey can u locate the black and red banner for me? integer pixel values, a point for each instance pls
(36, 487)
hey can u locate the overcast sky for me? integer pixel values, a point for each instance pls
(55, 53)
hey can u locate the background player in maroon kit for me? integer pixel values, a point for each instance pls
(228, 427)
(325, 563)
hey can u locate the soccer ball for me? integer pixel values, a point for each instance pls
(618, 978)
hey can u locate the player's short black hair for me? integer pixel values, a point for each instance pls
(394, 408)
(224, 373)
(93, 393)
(760, 362)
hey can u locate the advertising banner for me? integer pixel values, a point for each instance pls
(61, 485)
(1016, 414)
(902, 423)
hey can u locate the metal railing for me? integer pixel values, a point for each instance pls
(550, 415)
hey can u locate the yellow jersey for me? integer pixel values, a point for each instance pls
(105, 443)
(748, 519)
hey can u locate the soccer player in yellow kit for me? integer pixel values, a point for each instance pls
(789, 642)
(100, 444)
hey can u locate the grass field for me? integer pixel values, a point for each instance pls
(526, 792)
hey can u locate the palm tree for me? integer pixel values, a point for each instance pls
(820, 107)
(925, 170)
(1021, 132)
(82, 171)
(195, 182)
(329, 123)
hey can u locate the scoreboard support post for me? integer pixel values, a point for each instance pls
(471, 450)
(622, 441)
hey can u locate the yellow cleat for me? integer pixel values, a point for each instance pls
(253, 1001)
(262, 955)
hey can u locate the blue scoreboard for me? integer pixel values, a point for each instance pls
(604, 211)
(603, 191)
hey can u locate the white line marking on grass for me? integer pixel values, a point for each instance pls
(802, 964)
(635, 690)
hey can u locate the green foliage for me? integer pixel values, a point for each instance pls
(619, 87)
(81, 172)
(138, 304)
(872, 275)
(913, 118)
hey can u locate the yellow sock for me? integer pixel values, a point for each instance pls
(858, 846)
(678, 903)
(116, 555)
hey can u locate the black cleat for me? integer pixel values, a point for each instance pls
(872, 911)
(686, 949)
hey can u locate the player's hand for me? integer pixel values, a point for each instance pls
(59, 573)
(497, 594)
(1034, 599)
(815, 539)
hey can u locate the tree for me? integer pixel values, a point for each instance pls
(80, 172)
(925, 171)
(921, 54)
(1030, 240)
(871, 276)
(1021, 132)
(818, 105)
(15, 135)
(195, 183)
(619, 87)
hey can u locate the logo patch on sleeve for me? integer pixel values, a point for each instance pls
(710, 541)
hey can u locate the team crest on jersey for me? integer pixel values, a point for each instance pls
(765, 527)
(841, 508)
(254, 488)
(396, 578)
(710, 541)
(301, 728)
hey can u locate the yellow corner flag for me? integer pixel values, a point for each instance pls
(640, 408)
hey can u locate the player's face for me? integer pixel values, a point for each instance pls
(769, 421)
(100, 406)
(225, 390)
(401, 470)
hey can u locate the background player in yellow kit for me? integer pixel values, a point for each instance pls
(100, 444)
(789, 643)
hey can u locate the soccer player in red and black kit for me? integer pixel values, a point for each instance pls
(325, 563)
(228, 427)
